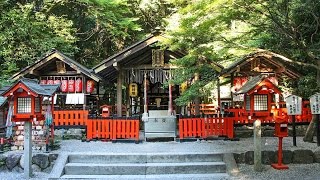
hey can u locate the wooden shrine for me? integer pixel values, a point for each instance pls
(79, 87)
(258, 94)
(141, 67)
(276, 67)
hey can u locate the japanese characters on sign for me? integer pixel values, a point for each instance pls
(294, 105)
(315, 103)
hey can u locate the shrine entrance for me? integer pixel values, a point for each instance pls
(141, 73)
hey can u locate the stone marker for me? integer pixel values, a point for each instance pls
(27, 149)
(257, 146)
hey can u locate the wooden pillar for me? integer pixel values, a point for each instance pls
(145, 105)
(170, 100)
(196, 100)
(231, 79)
(219, 98)
(119, 94)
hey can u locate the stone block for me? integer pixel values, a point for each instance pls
(42, 160)
(53, 157)
(316, 156)
(239, 158)
(287, 156)
(302, 156)
(249, 157)
(268, 157)
(12, 160)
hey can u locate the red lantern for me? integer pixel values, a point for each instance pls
(79, 85)
(90, 86)
(43, 81)
(57, 81)
(64, 85)
(50, 81)
(71, 85)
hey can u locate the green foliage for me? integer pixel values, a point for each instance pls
(26, 34)
(222, 30)
(307, 86)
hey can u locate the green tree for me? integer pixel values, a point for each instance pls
(27, 33)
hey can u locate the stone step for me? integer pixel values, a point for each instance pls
(144, 168)
(216, 176)
(144, 158)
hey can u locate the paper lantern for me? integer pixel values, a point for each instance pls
(90, 86)
(43, 81)
(79, 85)
(50, 81)
(183, 87)
(133, 90)
(64, 85)
(71, 85)
(57, 81)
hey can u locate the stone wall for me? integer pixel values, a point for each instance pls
(299, 156)
(266, 130)
(40, 162)
(38, 136)
(71, 133)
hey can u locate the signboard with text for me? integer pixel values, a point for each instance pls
(315, 103)
(294, 105)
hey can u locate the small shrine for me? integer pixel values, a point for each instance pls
(29, 102)
(257, 96)
(79, 87)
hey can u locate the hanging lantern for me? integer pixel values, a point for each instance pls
(64, 85)
(57, 81)
(183, 87)
(79, 85)
(71, 85)
(133, 90)
(43, 81)
(90, 86)
(50, 81)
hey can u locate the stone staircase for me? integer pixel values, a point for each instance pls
(145, 166)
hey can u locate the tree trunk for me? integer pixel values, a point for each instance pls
(308, 137)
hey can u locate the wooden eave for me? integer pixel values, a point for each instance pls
(266, 56)
(139, 55)
(52, 56)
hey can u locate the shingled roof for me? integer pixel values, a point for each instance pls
(51, 56)
(282, 63)
(35, 87)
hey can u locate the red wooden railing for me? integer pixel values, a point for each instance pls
(113, 129)
(204, 127)
(192, 127)
(70, 117)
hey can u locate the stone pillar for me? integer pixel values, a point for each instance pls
(119, 94)
(257, 146)
(27, 149)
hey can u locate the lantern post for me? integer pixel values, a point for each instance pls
(315, 109)
(27, 97)
(294, 106)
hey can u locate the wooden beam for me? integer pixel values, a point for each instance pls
(119, 94)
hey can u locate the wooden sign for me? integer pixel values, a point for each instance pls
(133, 90)
(315, 103)
(294, 105)
(157, 57)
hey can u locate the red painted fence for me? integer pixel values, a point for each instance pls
(70, 117)
(204, 127)
(113, 129)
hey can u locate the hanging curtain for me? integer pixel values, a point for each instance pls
(9, 123)
(48, 116)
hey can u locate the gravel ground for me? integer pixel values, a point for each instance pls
(305, 171)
